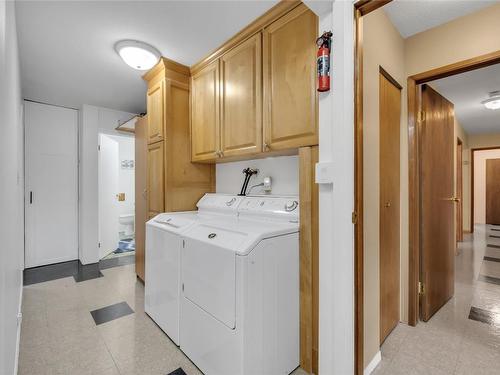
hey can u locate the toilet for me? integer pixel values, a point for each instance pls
(127, 225)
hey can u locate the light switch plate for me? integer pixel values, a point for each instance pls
(324, 173)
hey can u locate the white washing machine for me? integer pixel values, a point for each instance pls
(163, 257)
(240, 290)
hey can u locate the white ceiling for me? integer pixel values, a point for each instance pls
(66, 47)
(414, 16)
(466, 91)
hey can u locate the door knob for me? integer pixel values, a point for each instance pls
(387, 204)
(453, 199)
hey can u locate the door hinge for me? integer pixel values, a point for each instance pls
(421, 288)
(183, 244)
(98, 147)
(421, 116)
(98, 244)
(183, 287)
(354, 217)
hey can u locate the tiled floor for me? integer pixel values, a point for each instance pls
(463, 338)
(60, 336)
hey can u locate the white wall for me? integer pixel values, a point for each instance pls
(283, 170)
(480, 158)
(93, 120)
(11, 190)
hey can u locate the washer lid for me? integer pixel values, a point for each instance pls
(174, 221)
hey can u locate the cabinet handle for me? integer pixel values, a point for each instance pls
(266, 147)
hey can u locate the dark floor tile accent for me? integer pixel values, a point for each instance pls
(179, 371)
(495, 246)
(51, 272)
(112, 312)
(492, 235)
(87, 272)
(117, 262)
(485, 316)
(489, 279)
(73, 268)
(492, 259)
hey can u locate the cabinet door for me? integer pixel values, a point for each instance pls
(290, 97)
(241, 98)
(156, 112)
(205, 113)
(156, 178)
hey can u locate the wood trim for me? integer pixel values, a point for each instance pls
(367, 6)
(413, 167)
(256, 26)
(306, 313)
(358, 197)
(472, 150)
(458, 67)
(390, 78)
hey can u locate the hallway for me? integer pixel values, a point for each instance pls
(464, 336)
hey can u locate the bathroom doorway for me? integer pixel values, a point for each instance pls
(116, 176)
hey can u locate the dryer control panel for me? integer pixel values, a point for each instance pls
(222, 203)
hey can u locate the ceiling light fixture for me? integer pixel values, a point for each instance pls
(138, 55)
(493, 102)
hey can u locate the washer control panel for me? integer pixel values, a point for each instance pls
(270, 206)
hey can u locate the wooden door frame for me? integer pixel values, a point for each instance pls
(461, 203)
(472, 150)
(413, 89)
(361, 8)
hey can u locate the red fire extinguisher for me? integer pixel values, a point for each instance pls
(324, 43)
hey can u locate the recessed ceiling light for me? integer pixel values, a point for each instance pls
(493, 102)
(138, 55)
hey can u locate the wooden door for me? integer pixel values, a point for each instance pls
(437, 218)
(141, 207)
(156, 112)
(156, 179)
(289, 76)
(459, 193)
(241, 98)
(390, 122)
(493, 191)
(205, 113)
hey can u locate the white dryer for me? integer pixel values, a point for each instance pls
(163, 257)
(240, 290)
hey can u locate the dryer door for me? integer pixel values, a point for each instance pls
(209, 271)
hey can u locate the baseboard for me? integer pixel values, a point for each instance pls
(373, 363)
(19, 322)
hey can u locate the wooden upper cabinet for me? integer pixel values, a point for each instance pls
(156, 112)
(289, 68)
(205, 113)
(241, 98)
(156, 178)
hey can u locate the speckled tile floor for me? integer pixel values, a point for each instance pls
(451, 343)
(60, 337)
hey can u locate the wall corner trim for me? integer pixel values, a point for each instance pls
(377, 358)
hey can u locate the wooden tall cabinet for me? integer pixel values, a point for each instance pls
(174, 183)
(257, 93)
(141, 209)
(289, 66)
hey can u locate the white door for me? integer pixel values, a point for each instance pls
(51, 195)
(108, 189)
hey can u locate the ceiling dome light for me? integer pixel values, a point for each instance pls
(493, 102)
(138, 55)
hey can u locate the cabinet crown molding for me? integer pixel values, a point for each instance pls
(163, 65)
